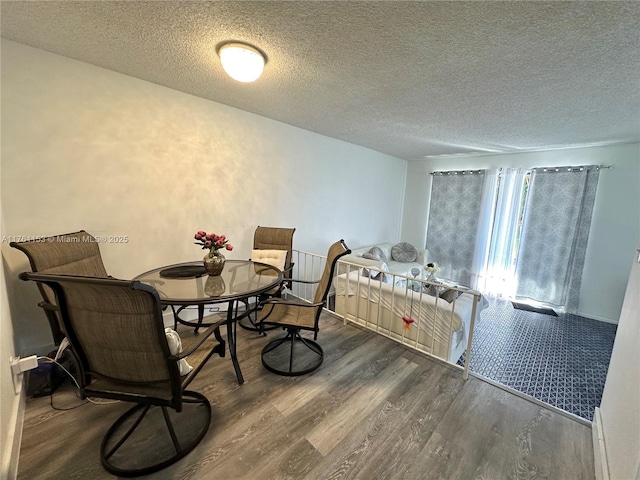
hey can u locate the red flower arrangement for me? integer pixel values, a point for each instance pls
(212, 242)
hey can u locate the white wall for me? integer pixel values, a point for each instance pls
(10, 402)
(620, 406)
(615, 226)
(87, 148)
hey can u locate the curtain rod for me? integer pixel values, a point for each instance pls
(458, 172)
(471, 172)
(571, 167)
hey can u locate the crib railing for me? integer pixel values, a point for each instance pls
(308, 267)
(406, 295)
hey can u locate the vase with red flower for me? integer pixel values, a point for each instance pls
(214, 260)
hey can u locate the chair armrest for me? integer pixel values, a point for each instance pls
(302, 281)
(201, 360)
(204, 336)
(284, 301)
(48, 306)
(289, 269)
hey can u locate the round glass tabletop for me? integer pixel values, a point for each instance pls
(188, 284)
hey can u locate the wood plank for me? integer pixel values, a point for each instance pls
(337, 425)
(489, 433)
(50, 440)
(374, 409)
(393, 436)
(342, 368)
(271, 441)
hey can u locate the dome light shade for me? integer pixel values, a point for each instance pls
(241, 62)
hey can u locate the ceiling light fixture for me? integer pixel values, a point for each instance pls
(242, 62)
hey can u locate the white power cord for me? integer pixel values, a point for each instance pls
(51, 360)
(63, 344)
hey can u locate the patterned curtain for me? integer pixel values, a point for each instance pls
(555, 233)
(456, 199)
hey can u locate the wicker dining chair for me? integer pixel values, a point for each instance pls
(116, 329)
(294, 354)
(276, 238)
(66, 254)
(270, 244)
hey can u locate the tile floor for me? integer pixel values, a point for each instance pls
(561, 360)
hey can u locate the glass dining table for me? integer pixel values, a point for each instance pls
(187, 284)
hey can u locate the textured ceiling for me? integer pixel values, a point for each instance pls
(405, 78)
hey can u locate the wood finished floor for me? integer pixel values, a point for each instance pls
(374, 410)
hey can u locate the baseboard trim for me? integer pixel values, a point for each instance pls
(598, 318)
(12, 455)
(599, 449)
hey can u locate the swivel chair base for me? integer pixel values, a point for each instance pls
(292, 355)
(138, 445)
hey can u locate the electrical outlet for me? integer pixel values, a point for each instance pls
(18, 367)
(21, 365)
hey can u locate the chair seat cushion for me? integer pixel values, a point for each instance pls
(275, 258)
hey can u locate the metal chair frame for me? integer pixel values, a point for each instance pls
(114, 445)
(293, 336)
(263, 240)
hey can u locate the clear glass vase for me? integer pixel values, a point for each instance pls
(214, 264)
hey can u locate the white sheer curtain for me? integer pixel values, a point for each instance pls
(485, 226)
(499, 271)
